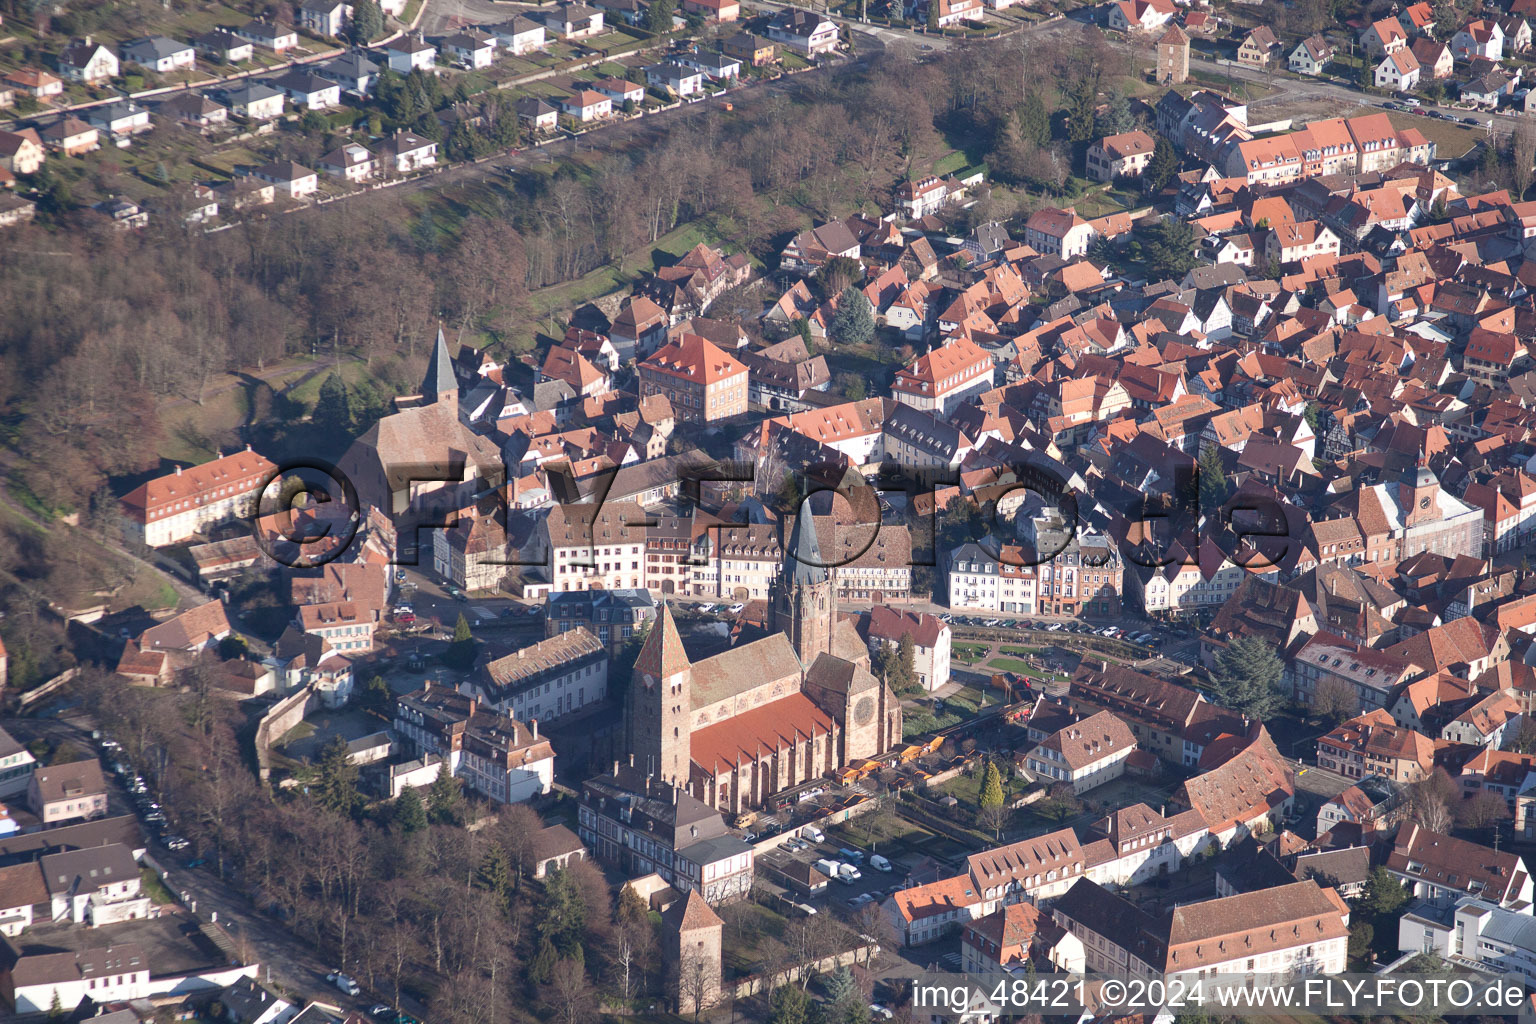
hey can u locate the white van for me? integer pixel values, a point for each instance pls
(813, 833)
(879, 863)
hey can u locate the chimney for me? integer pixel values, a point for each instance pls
(631, 760)
(615, 769)
(178, 471)
(533, 723)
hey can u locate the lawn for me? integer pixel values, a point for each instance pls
(562, 298)
(954, 161)
(1020, 652)
(968, 653)
(153, 887)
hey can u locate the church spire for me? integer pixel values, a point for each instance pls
(663, 654)
(803, 564)
(440, 384)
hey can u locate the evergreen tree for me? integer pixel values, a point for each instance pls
(991, 788)
(1247, 678)
(841, 988)
(461, 652)
(564, 911)
(410, 815)
(1167, 248)
(1034, 120)
(789, 1005)
(336, 786)
(377, 696)
(1162, 168)
(854, 321)
(444, 798)
(658, 16)
(333, 409)
(367, 21)
(55, 1007)
(1081, 100)
(542, 966)
(1383, 893)
(1213, 480)
(496, 872)
(1116, 118)
(906, 662)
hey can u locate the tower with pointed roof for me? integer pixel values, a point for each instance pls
(660, 703)
(802, 605)
(1173, 57)
(693, 952)
(440, 385)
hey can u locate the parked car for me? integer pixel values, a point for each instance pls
(380, 1010)
(176, 843)
(343, 982)
(736, 609)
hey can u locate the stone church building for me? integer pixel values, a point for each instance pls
(767, 715)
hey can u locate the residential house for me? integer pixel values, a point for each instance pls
(291, 180)
(574, 21)
(159, 54)
(1311, 55)
(802, 31)
(194, 108)
(254, 100)
(713, 10)
(350, 163)
(21, 152)
(405, 152)
(1480, 37)
(677, 78)
(718, 67)
(269, 35)
(1373, 744)
(1083, 755)
(88, 61)
(409, 53)
(889, 627)
(537, 115)
(220, 44)
(1139, 15)
(171, 508)
(619, 91)
(940, 381)
(1258, 48)
(1383, 37)
(120, 119)
(354, 72)
(1058, 232)
(325, 17)
(519, 35)
(1438, 867)
(66, 792)
(561, 675)
(472, 49)
(702, 383)
(753, 49)
(69, 136)
(307, 90)
(1120, 156)
(37, 84)
(1399, 71)
(643, 826)
(587, 105)
(1434, 57)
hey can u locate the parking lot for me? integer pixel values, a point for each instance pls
(843, 896)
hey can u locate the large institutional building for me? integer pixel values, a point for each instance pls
(765, 716)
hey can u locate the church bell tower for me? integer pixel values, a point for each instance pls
(660, 704)
(803, 603)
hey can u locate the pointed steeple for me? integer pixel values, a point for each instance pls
(440, 384)
(663, 654)
(803, 564)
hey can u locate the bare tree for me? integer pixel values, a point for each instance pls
(1522, 150)
(1335, 700)
(569, 994)
(698, 981)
